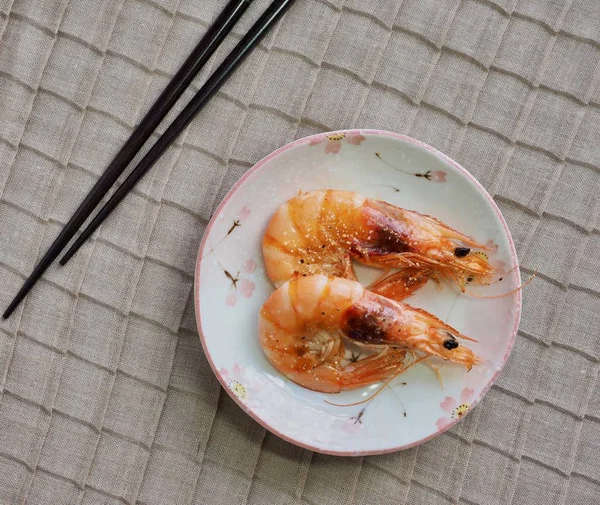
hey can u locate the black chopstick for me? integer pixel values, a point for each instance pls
(184, 76)
(215, 81)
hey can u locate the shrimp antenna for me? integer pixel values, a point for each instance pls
(492, 297)
(381, 388)
(502, 277)
(438, 375)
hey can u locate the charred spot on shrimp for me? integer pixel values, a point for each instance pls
(387, 234)
(383, 241)
(388, 237)
(364, 326)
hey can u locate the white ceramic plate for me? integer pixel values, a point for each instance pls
(231, 286)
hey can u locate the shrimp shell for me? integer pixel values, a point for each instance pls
(321, 232)
(302, 324)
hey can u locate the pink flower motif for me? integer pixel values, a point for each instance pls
(237, 222)
(438, 176)
(333, 142)
(231, 298)
(442, 422)
(244, 213)
(246, 287)
(351, 426)
(448, 404)
(249, 266)
(240, 284)
(492, 246)
(317, 139)
(333, 146)
(241, 382)
(498, 265)
(355, 138)
(493, 249)
(435, 176)
(467, 395)
(454, 408)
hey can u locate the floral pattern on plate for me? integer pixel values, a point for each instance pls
(455, 409)
(333, 142)
(239, 284)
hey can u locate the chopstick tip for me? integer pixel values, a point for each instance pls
(69, 254)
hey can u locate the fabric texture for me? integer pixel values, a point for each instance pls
(105, 394)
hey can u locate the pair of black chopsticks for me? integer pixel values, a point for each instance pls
(194, 63)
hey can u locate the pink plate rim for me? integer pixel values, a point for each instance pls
(256, 168)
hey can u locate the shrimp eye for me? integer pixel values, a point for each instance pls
(461, 252)
(450, 344)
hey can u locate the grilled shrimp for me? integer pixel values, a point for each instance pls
(302, 323)
(322, 231)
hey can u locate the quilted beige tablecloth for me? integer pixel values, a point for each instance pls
(105, 394)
